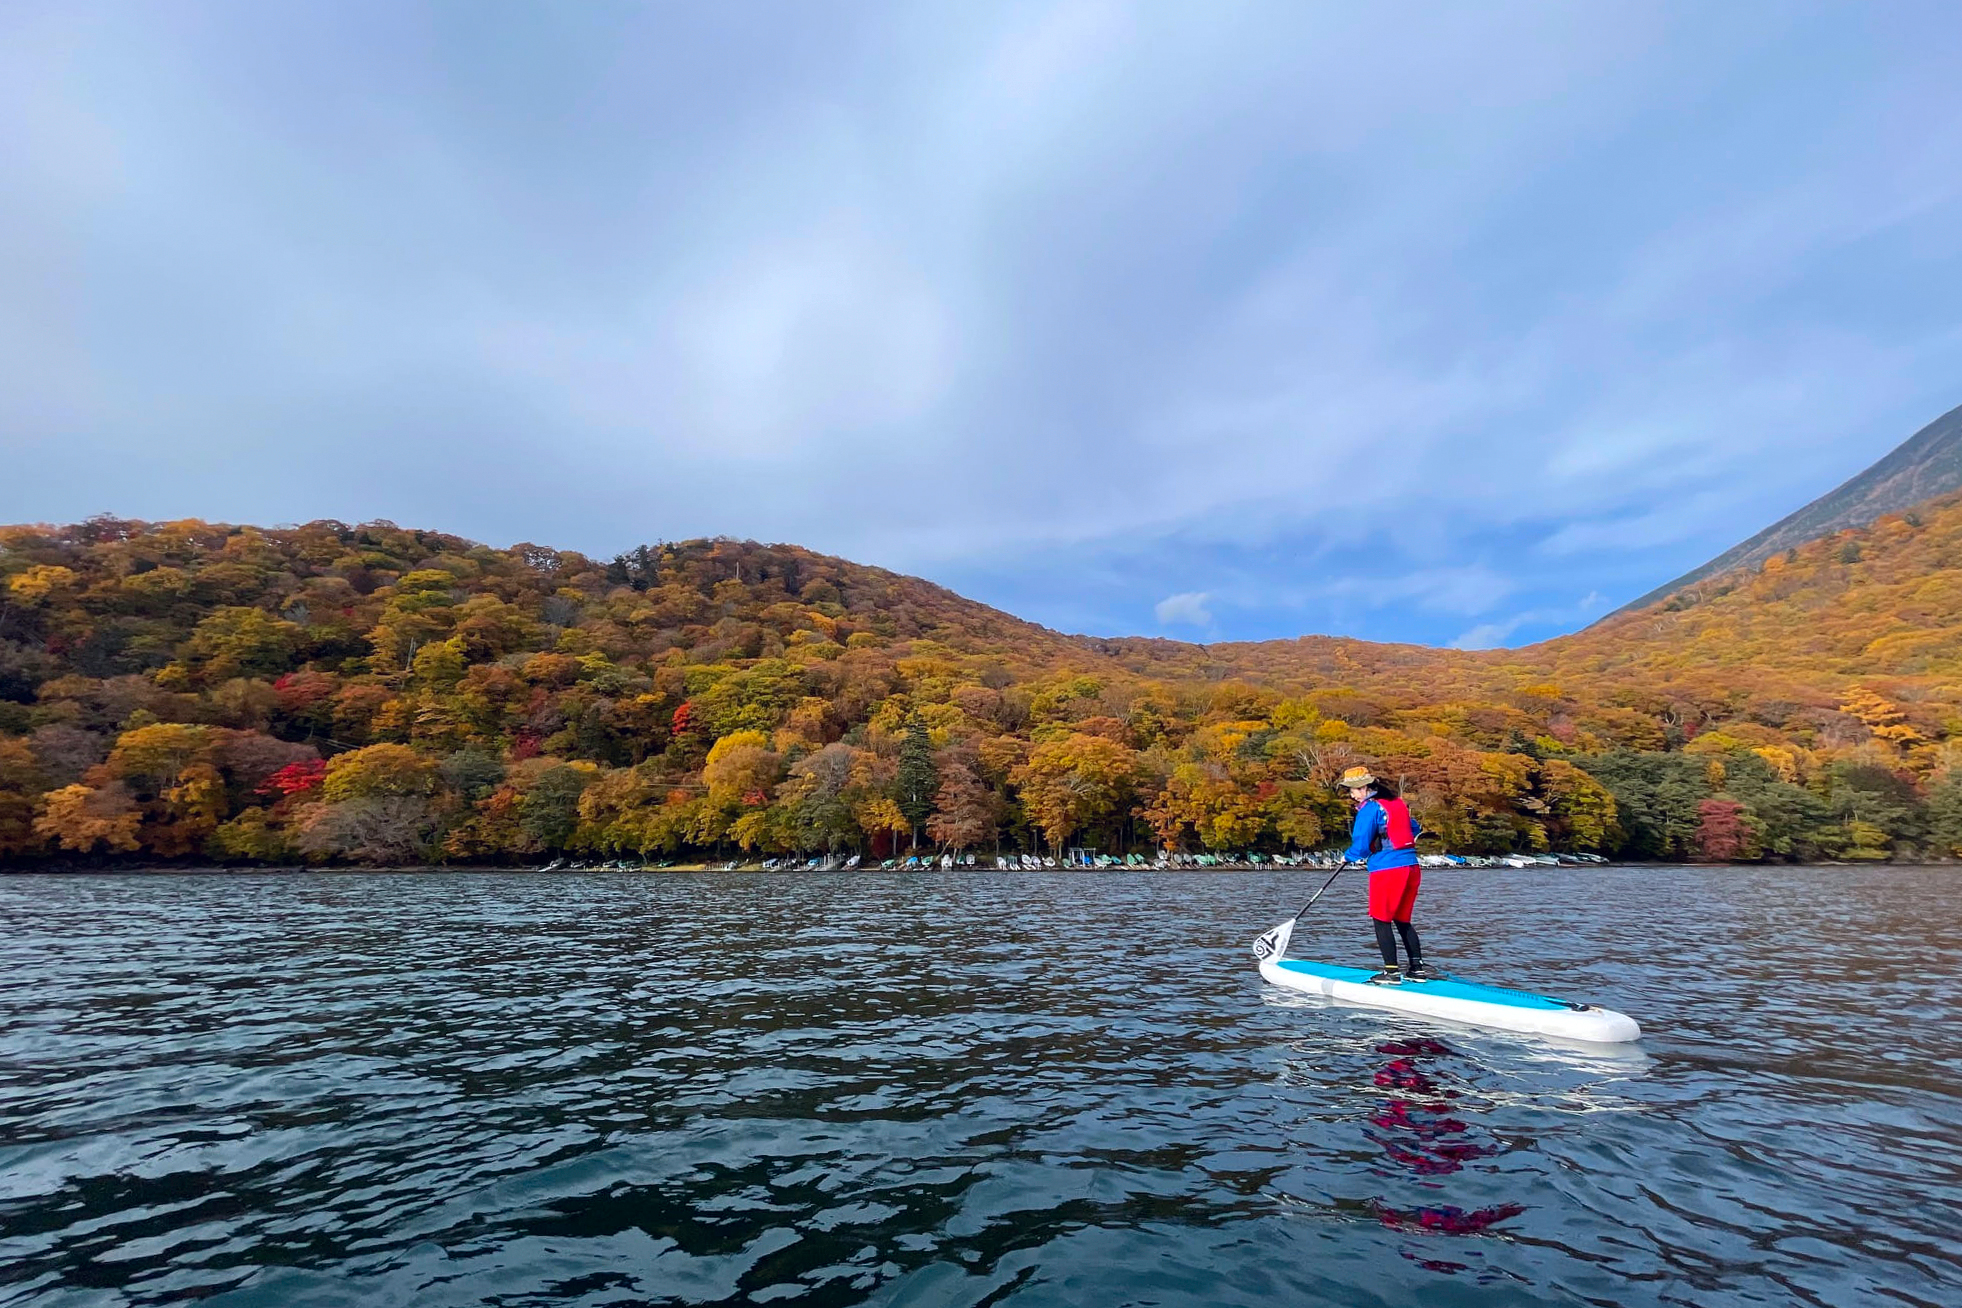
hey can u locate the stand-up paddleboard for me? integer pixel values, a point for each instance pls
(1450, 998)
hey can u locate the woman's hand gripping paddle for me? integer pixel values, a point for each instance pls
(1275, 943)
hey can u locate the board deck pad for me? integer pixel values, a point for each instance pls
(1444, 989)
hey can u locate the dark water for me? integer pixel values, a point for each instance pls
(967, 1089)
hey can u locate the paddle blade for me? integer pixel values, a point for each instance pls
(1274, 943)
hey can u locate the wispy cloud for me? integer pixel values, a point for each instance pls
(1188, 609)
(1491, 635)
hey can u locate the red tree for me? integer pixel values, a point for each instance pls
(295, 779)
(1721, 835)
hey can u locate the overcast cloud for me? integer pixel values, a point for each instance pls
(1452, 323)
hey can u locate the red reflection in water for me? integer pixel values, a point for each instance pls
(1418, 1133)
(1413, 1048)
(1402, 1074)
(1396, 1116)
(1446, 1219)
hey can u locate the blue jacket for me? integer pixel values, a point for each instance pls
(1371, 827)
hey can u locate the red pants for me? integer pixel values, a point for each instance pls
(1393, 893)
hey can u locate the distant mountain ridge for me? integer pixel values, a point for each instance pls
(1927, 464)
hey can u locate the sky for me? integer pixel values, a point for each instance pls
(1458, 324)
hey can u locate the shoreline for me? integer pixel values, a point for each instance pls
(426, 869)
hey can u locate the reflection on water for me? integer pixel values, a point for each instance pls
(966, 1089)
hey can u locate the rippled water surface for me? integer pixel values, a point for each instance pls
(983, 1088)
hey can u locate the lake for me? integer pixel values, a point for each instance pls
(969, 1089)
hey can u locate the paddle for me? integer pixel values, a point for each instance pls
(1275, 943)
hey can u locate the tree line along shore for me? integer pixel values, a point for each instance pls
(372, 695)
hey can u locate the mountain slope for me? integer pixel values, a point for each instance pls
(1859, 606)
(379, 695)
(1774, 650)
(1927, 464)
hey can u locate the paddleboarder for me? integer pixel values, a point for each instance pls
(1385, 837)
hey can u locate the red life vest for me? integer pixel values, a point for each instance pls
(1396, 824)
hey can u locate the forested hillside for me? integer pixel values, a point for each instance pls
(380, 695)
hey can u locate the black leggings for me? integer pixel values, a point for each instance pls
(1386, 940)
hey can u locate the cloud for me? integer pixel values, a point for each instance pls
(1072, 304)
(1188, 609)
(1487, 635)
(1491, 635)
(1383, 580)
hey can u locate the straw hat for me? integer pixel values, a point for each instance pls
(1356, 778)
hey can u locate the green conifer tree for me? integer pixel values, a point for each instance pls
(1945, 815)
(919, 778)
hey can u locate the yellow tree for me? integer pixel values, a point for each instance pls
(741, 767)
(1581, 803)
(1886, 720)
(740, 774)
(378, 770)
(1174, 808)
(1234, 814)
(1071, 783)
(238, 642)
(492, 829)
(193, 808)
(80, 818)
(38, 583)
(255, 835)
(1294, 807)
(154, 755)
(880, 813)
(614, 810)
(21, 781)
(172, 772)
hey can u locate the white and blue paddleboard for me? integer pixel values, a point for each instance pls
(1448, 998)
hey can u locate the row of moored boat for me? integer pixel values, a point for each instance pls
(1075, 859)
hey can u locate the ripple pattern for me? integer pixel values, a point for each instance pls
(947, 1089)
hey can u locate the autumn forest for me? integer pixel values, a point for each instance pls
(336, 694)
